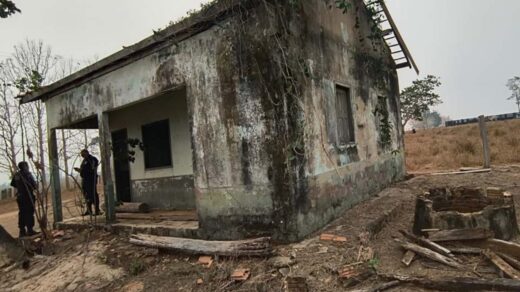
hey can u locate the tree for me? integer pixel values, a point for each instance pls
(418, 98)
(514, 85)
(8, 8)
(432, 119)
(32, 65)
(9, 125)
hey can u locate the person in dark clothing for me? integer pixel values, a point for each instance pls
(25, 184)
(88, 173)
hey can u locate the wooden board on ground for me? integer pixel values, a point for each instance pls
(408, 258)
(498, 246)
(460, 283)
(427, 243)
(134, 207)
(252, 247)
(173, 216)
(461, 234)
(502, 265)
(427, 253)
(483, 170)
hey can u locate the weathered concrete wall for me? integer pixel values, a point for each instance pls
(228, 120)
(336, 47)
(259, 88)
(171, 106)
(170, 193)
(165, 187)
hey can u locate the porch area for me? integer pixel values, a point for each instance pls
(145, 156)
(157, 222)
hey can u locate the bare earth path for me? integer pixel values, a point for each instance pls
(102, 261)
(9, 211)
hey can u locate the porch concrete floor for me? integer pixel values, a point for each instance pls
(162, 223)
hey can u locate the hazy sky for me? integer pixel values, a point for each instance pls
(473, 45)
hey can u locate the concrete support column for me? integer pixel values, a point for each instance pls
(54, 164)
(105, 139)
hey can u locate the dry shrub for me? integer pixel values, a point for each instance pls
(499, 132)
(465, 146)
(461, 146)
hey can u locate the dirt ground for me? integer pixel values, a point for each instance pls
(100, 261)
(71, 202)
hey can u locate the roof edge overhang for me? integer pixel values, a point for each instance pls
(193, 25)
(391, 35)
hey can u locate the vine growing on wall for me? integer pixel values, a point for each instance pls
(385, 127)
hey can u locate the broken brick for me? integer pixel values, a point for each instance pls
(340, 239)
(206, 261)
(332, 237)
(241, 275)
(327, 237)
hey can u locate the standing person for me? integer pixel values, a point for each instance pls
(88, 173)
(25, 184)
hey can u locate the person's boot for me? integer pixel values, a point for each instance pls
(99, 212)
(22, 233)
(30, 232)
(88, 212)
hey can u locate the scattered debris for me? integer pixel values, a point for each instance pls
(281, 262)
(240, 275)
(332, 237)
(206, 261)
(365, 253)
(498, 246)
(131, 287)
(461, 234)
(296, 284)
(502, 265)
(252, 247)
(484, 170)
(133, 207)
(459, 283)
(425, 252)
(408, 258)
(58, 233)
(466, 250)
(384, 286)
(200, 281)
(427, 243)
(354, 274)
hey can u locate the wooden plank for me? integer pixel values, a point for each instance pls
(485, 141)
(252, 247)
(408, 258)
(134, 207)
(157, 217)
(502, 265)
(510, 260)
(385, 286)
(462, 172)
(459, 283)
(427, 253)
(427, 243)
(466, 250)
(461, 234)
(498, 246)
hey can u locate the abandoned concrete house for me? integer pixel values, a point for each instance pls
(266, 117)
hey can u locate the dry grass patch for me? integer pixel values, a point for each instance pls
(455, 147)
